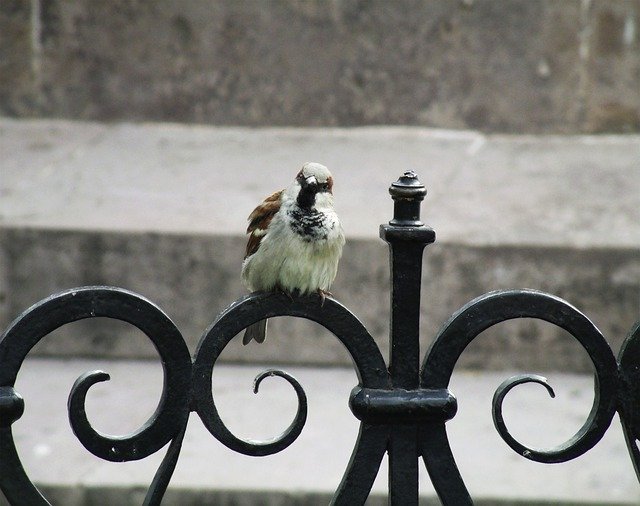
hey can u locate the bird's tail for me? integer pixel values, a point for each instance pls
(257, 331)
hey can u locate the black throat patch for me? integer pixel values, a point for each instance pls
(307, 196)
(308, 223)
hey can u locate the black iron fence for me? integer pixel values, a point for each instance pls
(403, 407)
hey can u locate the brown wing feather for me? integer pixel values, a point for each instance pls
(259, 221)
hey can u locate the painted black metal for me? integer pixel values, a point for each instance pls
(629, 393)
(403, 408)
(407, 237)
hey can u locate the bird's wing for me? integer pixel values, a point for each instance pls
(259, 221)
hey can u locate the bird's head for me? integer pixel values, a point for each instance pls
(315, 185)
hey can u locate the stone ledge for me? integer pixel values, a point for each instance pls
(134, 496)
(193, 278)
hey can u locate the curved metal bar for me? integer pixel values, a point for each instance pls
(89, 302)
(370, 365)
(363, 466)
(498, 419)
(296, 426)
(441, 466)
(163, 475)
(629, 395)
(495, 307)
(15, 484)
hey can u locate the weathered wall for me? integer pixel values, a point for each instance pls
(516, 66)
(194, 278)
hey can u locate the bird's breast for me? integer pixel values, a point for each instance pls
(311, 224)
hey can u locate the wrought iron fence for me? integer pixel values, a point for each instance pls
(403, 407)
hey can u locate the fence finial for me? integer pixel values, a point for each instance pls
(407, 193)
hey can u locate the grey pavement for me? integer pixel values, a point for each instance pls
(160, 209)
(310, 469)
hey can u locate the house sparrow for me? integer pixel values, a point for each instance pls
(295, 240)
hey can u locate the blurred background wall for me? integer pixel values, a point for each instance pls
(517, 66)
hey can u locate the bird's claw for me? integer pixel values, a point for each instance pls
(323, 295)
(279, 289)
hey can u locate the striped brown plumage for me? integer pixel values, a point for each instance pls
(259, 221)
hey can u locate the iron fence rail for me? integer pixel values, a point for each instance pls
(403, 407)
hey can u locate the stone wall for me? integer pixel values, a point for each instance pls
(194, 278)
(526, 66)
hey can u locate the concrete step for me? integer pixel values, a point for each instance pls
(307, 472)
(160, 209)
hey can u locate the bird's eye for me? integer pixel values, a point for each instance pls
(323, 186)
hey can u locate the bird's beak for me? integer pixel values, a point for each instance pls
(311, 181)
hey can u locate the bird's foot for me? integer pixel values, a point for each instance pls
(323, 295)
(279, 289)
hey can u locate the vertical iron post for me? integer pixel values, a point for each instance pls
(407, 237)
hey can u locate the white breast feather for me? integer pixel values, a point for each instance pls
(284, 259)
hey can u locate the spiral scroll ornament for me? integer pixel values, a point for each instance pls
(53, 312)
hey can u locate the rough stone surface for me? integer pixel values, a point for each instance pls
(18, 63)
(520, 66)
(161, 210)
(194, 278)
(308, 472)
(613, 102)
